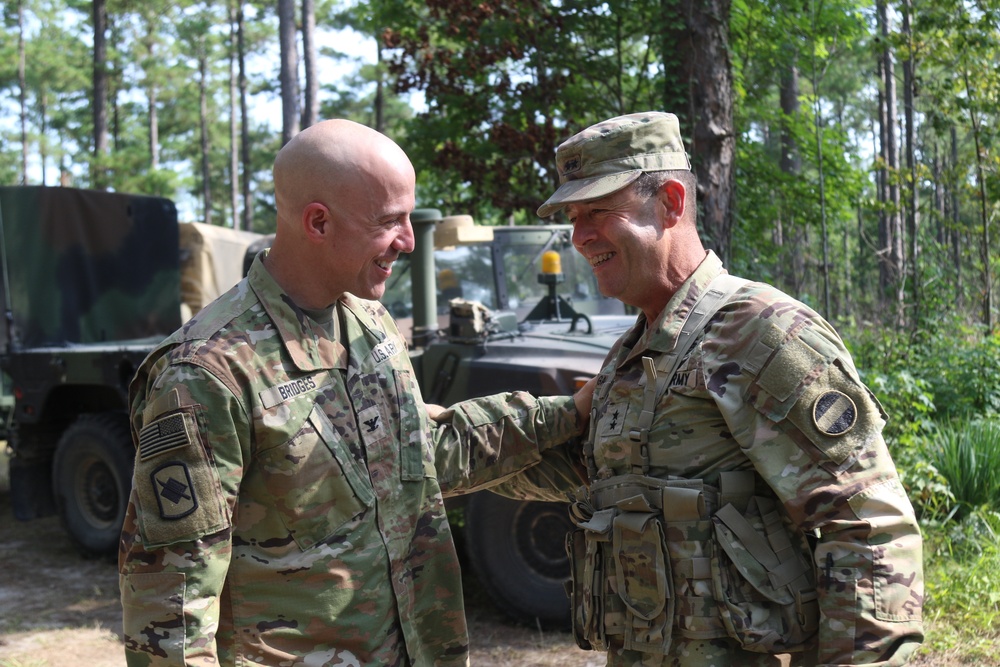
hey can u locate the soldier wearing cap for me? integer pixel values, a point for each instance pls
(741, 502)
(287, 499)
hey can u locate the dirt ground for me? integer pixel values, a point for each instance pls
(58, 610)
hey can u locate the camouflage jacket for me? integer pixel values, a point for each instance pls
(768, 386)
(286, 506)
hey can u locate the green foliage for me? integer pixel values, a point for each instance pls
(967, 454)
(943, 371)
(962, 604)
(927, 488)
(908, 402)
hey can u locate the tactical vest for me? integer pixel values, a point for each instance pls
(655, 558)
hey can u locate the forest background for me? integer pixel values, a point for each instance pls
(847, 151)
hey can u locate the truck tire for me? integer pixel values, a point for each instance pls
(517, 552)
(92, 479)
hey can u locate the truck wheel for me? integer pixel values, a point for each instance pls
(92, 479)
(517, 552)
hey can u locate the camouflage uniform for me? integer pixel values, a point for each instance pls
(286, 506)
(742, 503)
(768, 388)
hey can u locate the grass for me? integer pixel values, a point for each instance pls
(961, 526)
(962, 607)
(968, 456)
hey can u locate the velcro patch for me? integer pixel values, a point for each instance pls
(613, 419)
(385, 350)
(164, 435)
(288, 390)
(834, 413)
(370, 422)
(175, 494)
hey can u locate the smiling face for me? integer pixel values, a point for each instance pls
(371, 228)
(641, 248)
(624, 242)
(344, 195)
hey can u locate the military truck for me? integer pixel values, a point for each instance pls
(512, 307)
(91, 281)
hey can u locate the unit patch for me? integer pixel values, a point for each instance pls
(174, 491)
(164, 435)
(834, 413)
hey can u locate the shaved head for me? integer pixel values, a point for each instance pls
(344, 194)
(328, 160)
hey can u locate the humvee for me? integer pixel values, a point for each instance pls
(91, 282)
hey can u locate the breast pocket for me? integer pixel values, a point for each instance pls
(316, 483)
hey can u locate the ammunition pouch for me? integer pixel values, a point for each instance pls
(651, 558)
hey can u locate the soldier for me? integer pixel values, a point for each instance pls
(741, 503)
(286, 505)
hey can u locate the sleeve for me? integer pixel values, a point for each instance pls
(513, 437)
(191, 436)
(813, 432)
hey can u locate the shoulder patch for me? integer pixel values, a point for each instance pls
(175, 494)
(834, 413)
(165, 434)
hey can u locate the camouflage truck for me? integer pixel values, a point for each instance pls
(91, 281)
(497, 309)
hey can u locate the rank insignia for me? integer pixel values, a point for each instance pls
(834, 413)
(174, 491)
(571, 164)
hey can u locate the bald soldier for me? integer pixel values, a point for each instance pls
(287, 500)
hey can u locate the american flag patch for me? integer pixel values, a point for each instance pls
(163, 435)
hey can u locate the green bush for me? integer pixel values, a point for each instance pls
(945, 371)
(967, 454)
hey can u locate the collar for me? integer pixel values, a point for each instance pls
(308, 345)
(661, 336)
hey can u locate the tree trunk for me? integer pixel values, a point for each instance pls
(310, 110)
(981, 185)
(893, 254)
(114, 85)
(22, 95)
(244, 121)
(206, 182)
(956, 237)
(100, 108)
(151, 98)
(234, 135)
(289, 71)
(379, 87)
(793, 267)
(699, 89)
(913, 209)
(43, 121)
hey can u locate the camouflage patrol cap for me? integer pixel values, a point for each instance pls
(606, 157)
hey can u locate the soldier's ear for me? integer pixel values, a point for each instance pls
(672, 198)
(316, 222)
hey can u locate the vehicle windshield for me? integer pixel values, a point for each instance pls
(467, 272)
